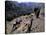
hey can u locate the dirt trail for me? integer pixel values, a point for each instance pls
(37, 25)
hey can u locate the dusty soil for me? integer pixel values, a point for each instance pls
(37, 25)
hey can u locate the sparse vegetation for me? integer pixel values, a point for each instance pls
(21, 17)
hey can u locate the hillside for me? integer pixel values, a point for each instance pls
(22, 17)
(37, 25)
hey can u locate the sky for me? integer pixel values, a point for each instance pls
(28, 0)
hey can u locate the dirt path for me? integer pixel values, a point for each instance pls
(37, 25)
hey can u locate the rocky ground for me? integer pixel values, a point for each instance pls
(37, 25)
